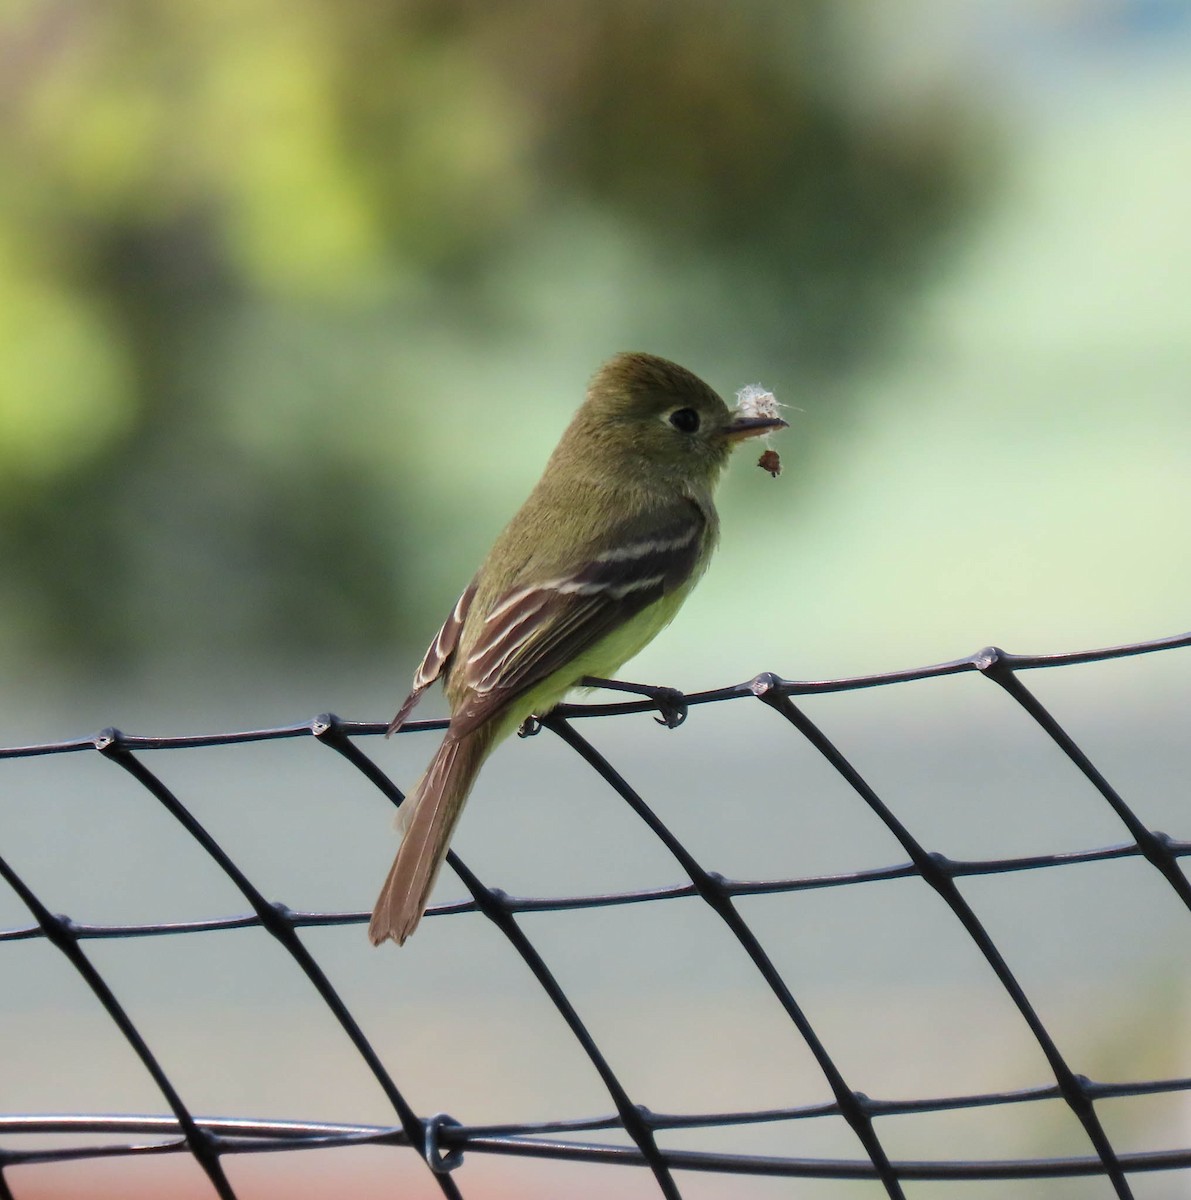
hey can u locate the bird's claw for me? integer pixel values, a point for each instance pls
(530, 726)
(672, 705)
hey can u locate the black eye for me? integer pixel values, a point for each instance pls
(685, 420)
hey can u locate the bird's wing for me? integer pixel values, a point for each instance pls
(534, 630)
(438, 657)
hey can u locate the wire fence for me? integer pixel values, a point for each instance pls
(441, 1141)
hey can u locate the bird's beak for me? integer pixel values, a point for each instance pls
(747, 427)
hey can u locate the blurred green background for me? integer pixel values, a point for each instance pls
(295, 299)
(297, 296)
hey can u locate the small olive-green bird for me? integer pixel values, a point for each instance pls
(598, 561)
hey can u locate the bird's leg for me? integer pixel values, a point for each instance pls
(670, 702)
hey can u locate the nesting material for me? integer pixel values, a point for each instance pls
(753, 400)
(771, 462)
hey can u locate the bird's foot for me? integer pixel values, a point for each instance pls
(672, 707)
(670, 702)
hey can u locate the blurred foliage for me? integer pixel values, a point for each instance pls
(224, 225)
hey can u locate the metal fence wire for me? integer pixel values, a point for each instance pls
(441, 1141)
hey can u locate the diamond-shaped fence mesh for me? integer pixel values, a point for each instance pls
(440, 1141)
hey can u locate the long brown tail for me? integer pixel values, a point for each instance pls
(434, 810)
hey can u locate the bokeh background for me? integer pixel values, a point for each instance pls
(296, 297)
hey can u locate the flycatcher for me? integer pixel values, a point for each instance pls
(596, 563)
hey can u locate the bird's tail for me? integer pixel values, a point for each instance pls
(429, 817)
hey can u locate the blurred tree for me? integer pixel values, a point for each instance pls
(215, 217)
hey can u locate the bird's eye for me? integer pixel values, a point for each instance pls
(685, 420)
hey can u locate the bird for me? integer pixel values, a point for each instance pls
(593, 566)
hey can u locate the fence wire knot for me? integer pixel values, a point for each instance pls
(441, 1162)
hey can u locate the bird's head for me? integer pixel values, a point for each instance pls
(646, 418)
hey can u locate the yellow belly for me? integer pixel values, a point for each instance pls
(603, 660)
